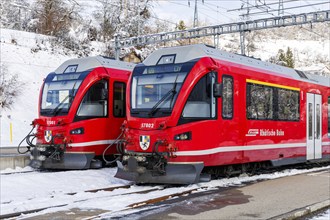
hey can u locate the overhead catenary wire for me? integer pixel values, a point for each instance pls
(201, 8)
(259, 7)
(294, 7)
(255, 6)
(212, 9)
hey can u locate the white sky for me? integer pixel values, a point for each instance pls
(213, 12)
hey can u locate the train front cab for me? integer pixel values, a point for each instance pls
(171, 105)
(81, 111)
(226, 110)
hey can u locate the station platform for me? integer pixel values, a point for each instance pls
(285, 198)
(10, 158)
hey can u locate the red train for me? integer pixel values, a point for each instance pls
(194, 108)
(81, 109)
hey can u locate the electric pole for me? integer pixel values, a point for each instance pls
(280, 7)
(195, 12)
(196, 15)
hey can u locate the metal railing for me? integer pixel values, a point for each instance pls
(214, 30)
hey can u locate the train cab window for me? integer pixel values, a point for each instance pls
(119, 99)
(95, 102)
(227, 97)
(201, 103)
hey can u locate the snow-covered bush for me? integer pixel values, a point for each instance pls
(10, 87)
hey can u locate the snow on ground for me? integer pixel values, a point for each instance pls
(322, 216)
(32, 68)
(32, 57)
(26, 191)
(17, 170)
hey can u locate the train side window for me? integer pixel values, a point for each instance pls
(201, 104)
(329, 116)
(287, 105)
(119, 99)
(310, 121)
(227, 97)
(259, 102)
(318, 121)
(95, 102)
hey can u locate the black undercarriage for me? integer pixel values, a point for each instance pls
(148, 168)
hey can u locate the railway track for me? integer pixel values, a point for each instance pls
(129, 190)
(153, 194)
(16, 214)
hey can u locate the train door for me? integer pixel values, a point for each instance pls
(314, 126)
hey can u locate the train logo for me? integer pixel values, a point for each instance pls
(144, 142)
(252, 133)
(48, 136)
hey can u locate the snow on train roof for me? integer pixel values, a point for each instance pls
(191, 52)
(88, 63)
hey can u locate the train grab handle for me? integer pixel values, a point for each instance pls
(217, 90)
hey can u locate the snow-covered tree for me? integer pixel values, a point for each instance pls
(10, 88)
(125, 17)
(14, 14)
(53, 17)
(289, 58)
(250, 42)
(181, 26)
(284, 58)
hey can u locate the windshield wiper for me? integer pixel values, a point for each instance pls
(57, 109)
(169, 94)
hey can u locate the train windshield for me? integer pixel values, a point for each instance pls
(155, 89)
(58, 93)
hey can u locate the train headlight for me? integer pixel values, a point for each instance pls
(183, 137)
(41, 157)
(141, 158)
(77, 131)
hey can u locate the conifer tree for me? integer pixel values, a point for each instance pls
(289, 58)
(285, 59)
(181, 26)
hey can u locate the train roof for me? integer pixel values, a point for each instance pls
(191, 52)
(88, 63)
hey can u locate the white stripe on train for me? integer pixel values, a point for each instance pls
(242, 148)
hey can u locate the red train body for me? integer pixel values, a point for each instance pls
(194, 107)
(81, 108)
